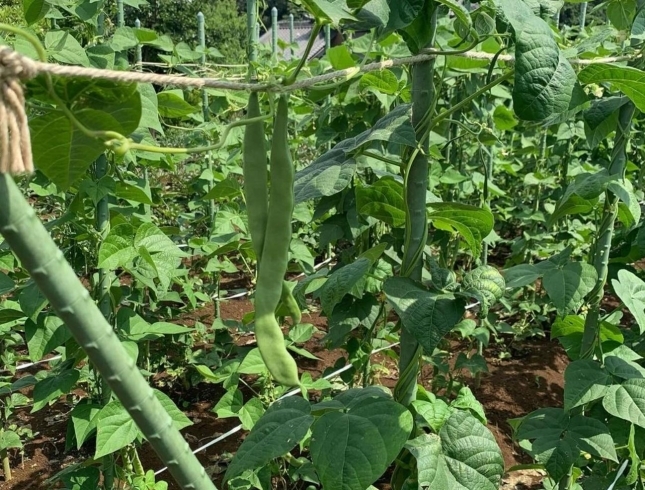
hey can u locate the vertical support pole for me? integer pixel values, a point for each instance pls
(251, 33)
(327, 46)
(257, 34)
(104, 303)
(105, 279)
(292, 38)
(416, 188)
(274, 31)
(100, 24)
(583, 15)
(139, 67)
(138, 53)
(201, 33)
(120, 17)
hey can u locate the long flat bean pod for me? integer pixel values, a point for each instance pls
(256, 193)
(255, 163)
(53, 275)
(275, 254)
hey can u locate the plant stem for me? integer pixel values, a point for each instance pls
(565, 481)
(427, 124)
(416, 229)
(310, 44)
(6, 465)
(602, 246)
(53, 275)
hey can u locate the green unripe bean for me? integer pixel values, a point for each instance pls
(290, 304)
(255, 162)
(275, 255)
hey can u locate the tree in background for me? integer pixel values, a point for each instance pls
(570, 14)
(225, 24)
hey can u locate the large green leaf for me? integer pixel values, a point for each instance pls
(61, 151)
(343, 280)
(64, 47)
(131, 192)
(34, 10)
(326, 176)
(121, 101)
(584, 381)
(425, 314)
(521, 275)
(581, 194)
(278, 431)
(383, 200)
(351, 449)
(472, 223)
(53, 387)
(627, 401)
(623, 368)
(149, 108)
(349, 314)
(463, 456)
(558, 439)
(179, 419)
(621, 13)
(601, 119)
(6, 284)
(631, 290)
(383, 82)
(403, 13)
(418, 34)
(83, 420)
(115, 429)
(333, 171)
(117, 248)
(629, 80)
(45, 335)
(544, 79)
(486, 284)
(432, 414)
(9, 439)
(327, 12)
(171, 104)
(155, 241)
(567, 286)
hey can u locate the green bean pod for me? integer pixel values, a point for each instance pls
(254, 168)
(290, 304)
(275, 255)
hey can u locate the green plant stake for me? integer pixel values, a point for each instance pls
(274, 31)
(583, 15)
(103, 293)
(53, 275)
(416, 229)
(602, 246)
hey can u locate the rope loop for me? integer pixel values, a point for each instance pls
(15, 143)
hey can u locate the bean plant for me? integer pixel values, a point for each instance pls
(458, 175)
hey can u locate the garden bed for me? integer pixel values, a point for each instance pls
(530, 379)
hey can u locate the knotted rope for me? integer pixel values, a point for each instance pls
(15, 143)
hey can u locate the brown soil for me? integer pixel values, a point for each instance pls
(531, 379)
